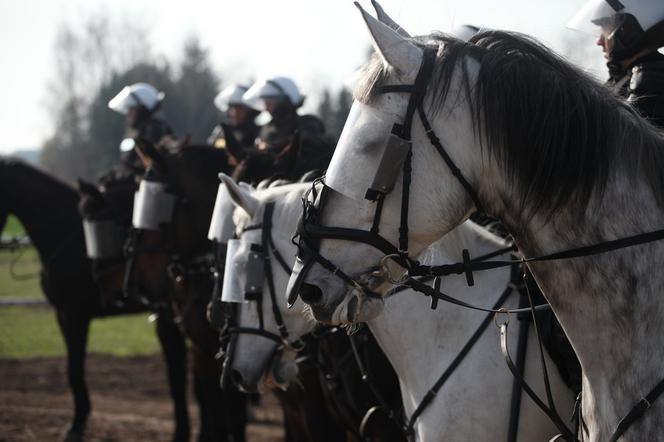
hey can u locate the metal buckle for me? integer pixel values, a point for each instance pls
(502, 311)
(385, 272)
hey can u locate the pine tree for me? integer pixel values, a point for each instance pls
(194, 94)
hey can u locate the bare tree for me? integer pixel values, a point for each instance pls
(85, 57)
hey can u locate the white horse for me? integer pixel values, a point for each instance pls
(474, 405)
(552, 154)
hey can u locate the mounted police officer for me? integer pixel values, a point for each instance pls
(281, 98)
(630, 32)
(238, 130)
(140, 103)
(310, 150)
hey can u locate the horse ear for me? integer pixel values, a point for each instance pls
(397, 51)
(150, 156)
(241, 196)
(88, 189)
(386, 19)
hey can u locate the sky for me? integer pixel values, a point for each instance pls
(319, 43)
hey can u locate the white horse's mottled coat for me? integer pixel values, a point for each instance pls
(610, 305)
(420, 343)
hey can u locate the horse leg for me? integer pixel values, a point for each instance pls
(211, 428)
(74, 326)
(235, 412)
(295, 425)
(175, 354)
(223, 413)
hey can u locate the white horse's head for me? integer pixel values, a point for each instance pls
(262, 356)
(368, 159)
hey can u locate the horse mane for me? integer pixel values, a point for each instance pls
(58, 188)
(557, 133)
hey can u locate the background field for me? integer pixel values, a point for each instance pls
(31, 331)
(126, 377)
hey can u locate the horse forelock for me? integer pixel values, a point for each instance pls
(556, 132)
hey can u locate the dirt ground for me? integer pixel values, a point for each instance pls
(130, 402)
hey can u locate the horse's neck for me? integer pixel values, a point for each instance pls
(610, 305)
(421, 343)
(46, 208)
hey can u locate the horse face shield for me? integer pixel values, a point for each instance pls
(369, 157)
(104, 239)
(153, 206)
(249, 265)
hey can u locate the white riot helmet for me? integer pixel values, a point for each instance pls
(138, 94)
(632, 24)
(464, 32)
(232, 96)
(273, 88)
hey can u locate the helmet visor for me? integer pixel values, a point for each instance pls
(597, 17)
(123, 101)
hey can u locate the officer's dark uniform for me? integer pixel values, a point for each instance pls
(642, 84)
(238, 140)
(149, 128)
(315, 149)
(279, 131)
(152, 129)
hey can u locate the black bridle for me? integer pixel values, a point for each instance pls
(266, 249)
(311, 232)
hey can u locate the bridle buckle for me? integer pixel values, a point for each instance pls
(386, 272)
(501, 311)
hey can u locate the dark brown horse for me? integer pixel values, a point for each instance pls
(47, 208)
(180, 301)
(172, 268)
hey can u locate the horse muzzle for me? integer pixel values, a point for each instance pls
(357, 307)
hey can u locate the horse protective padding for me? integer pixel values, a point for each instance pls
(222, 227)
(361, 160)
(255, 273)
(153, 206)
(391, 164)
(231, 290)
(103, 239)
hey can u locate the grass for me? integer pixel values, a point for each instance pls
(33, 331)
(13, 227)
(29, 332)
(24, 263)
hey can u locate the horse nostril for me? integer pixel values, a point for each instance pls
(310, 293)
